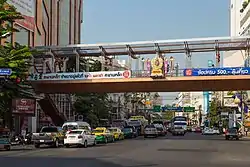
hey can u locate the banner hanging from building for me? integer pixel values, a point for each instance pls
(82, 75)
(23, 106)
(217, 71)
(27, 9)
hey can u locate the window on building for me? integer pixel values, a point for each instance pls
(22, 36)
(64, 22)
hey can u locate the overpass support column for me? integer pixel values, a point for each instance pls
(188, 62)
(77, 68)
(217, 54)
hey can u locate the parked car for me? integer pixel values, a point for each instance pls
(210, 131)
(103, 135)
(150, 130)
(79, 137)
(129, 132)
(117, 132)
(48, 135)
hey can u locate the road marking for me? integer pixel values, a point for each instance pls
(28, 152)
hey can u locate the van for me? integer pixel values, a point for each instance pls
(67, 126)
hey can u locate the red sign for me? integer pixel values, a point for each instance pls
(126, 74)
(23, 106)
(189, 72)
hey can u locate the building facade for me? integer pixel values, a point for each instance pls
(48, 22)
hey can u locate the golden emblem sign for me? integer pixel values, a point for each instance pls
(157, 64)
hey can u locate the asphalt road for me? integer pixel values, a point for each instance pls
(191, 150)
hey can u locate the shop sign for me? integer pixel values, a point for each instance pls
(157, 67)
(81, 75)
(23, 106)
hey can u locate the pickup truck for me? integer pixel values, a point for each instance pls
(48, 135)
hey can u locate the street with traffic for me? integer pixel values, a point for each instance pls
(193, 149)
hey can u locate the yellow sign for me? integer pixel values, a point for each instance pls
(137, 117)
(157, 64)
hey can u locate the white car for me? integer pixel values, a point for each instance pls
(79, 137)
(210, 131)
(150, 130)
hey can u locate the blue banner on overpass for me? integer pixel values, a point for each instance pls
(217, 71)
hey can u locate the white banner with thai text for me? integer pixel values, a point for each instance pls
(81, 75)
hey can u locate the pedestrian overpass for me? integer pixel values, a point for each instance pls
(56, 60)
(168, 84)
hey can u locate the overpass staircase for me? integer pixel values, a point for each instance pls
(48, 103)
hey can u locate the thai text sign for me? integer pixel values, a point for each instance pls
(217, 71)
(82, 75)
(23, 106)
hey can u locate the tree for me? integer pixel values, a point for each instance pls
(213, 113)
(8, 15)
(13, 56)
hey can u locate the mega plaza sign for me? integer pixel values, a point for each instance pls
(81, 75)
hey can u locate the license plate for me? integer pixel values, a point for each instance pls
(42, 141)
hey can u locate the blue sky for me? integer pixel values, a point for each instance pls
(138, 20)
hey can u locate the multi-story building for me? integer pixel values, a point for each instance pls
(48, 22)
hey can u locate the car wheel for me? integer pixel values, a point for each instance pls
(7, 148)
(56, 143)
(66, 145)
(85, 144)
(105, 140)
(37, 145)
(145, 136)
(237, 138)
(94, 144)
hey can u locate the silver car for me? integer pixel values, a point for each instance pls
(150, 130)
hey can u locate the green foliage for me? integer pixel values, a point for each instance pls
(8, 15)
(213, 113)
(13, 56)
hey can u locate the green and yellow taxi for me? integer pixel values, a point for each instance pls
(103, 135)
(117, 132)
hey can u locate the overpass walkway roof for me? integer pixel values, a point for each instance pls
(148, 47)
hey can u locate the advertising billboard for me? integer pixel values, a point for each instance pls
(27, 9)
(23, 106)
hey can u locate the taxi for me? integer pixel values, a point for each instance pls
(117, 132)
(103, 135)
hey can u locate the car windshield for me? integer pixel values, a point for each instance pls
(150, 126)
(127, 130)
(113, 130)
(69, 127)
(180, 123)
(49, 129)
(159, 129)
(75, 132)
(98, 131)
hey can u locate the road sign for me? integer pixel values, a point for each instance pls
(157, 108)
(5, 71)
(189, 109)
(176, 109)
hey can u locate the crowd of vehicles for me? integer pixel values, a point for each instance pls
(81, 134)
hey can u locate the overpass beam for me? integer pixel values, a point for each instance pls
(104, 55)
(188, 57)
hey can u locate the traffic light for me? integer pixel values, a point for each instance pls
(218, 57)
